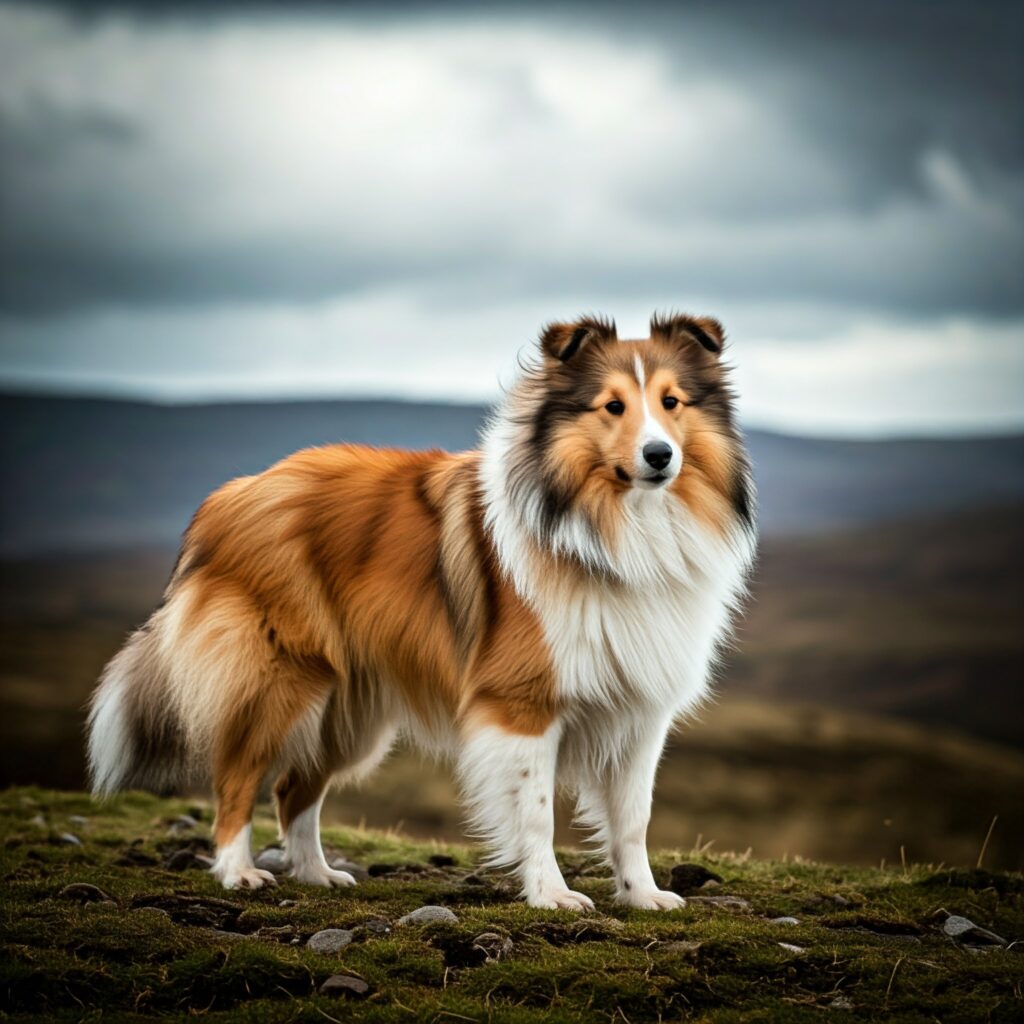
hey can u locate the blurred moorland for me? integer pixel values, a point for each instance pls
(868, 706)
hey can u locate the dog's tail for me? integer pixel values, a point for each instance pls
(136, 739)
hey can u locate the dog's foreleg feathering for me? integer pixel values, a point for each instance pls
(615, 803)
(508, 782)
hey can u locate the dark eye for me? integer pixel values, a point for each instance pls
(615, 407)
(670, 402)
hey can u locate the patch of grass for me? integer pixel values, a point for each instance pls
(160, 944)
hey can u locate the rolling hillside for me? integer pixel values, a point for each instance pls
(77, 474)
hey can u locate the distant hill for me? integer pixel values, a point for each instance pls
(78, 474)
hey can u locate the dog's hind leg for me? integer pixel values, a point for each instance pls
(299, 799)
(354, 741)
(250, 740)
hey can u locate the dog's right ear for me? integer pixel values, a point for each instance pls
(562, 342)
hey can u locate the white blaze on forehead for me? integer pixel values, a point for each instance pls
(652, 429)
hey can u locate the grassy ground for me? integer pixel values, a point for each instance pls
(868, 944)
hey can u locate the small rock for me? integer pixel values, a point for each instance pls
(68, 839)
(186, 860)
(272, 859)
(153, 910)
(183, 823)
(78, 821)
(791, 947)
(357, 871)
(428, 915)
(784, 920)
(344, 985)
(84, 892)
(734, 904)
(711, 884)
(682, 947)
(966, 931)
(39, 821)
(441, 860)
(288, 903)
(493, 946)
(376, 927)
(330, 940)
(136, 858)
(840, 1003)
(688, 878)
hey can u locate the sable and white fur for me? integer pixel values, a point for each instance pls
(543, 611)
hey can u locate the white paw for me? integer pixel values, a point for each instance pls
(246, 878)
(322, 876)
(561, 899)
(650, 899)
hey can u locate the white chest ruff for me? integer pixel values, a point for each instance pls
(641, 633)
(615, 647)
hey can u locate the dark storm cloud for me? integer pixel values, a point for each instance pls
(865, 155)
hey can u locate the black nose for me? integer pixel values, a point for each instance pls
(657, 454)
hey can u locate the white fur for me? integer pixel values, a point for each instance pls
(234, 867)
(632, 647)
(305, 855)
(508, 783)
(652, 431)
(108, 735)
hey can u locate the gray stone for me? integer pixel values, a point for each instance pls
(784, 920)
(734, 904)
(288, 903)
(357, 871)
(966, 931)
(187, 860)
(330, 940)
(344, 985)
(689, 878)
(428, 915)
(272, 859)
(790, 947)
(84, 892)
(840, 1003)
(493, 946)
(69, 840)
(682, 947)
(78, 821)
(159, 911)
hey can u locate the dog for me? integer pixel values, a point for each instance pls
(542, 610)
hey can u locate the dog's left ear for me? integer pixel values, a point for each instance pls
(562, 342)
(705, 330)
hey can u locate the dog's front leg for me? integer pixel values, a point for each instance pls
(617, 806)
(508, 781)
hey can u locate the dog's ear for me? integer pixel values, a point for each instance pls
(706, 331)
(562, 342)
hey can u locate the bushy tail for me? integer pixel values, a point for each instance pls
(135, 737)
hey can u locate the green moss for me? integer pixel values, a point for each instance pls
(168, 943)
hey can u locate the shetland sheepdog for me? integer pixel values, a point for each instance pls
(543, 610)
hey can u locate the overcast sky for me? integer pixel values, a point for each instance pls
(204, 200)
